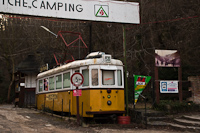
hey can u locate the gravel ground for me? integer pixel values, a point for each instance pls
(23, 120)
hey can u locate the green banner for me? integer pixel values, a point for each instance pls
(140, 83)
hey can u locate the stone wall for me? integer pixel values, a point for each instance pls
(195, 89)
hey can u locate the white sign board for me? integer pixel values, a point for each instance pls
(94, 10)
(168, 86)
(22, 84)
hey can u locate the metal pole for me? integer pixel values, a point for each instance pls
(77, 107)
(82, 114)
(79, 53)
(125, 65)
(45, 28)
(90, 48)
(52, 107)
(69, 109)
(62, 109)
(44, 105)
(133, 91)
(145, 112)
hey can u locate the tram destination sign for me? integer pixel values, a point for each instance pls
(94, 10)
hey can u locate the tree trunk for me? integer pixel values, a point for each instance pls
(12, 80)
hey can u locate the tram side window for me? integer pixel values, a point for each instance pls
(95, 77)
(46, 81)
(119, 77)
(40, 85)
(59, 82)
(51, 83)
(86, 77)
(108, 77)
(66, 80)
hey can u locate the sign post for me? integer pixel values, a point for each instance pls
(77, 80)
(168, 58)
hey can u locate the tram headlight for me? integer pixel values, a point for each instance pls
(109, 102)
(108, 90)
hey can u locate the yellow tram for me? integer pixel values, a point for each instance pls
(102, 89)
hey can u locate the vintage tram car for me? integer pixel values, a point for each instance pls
(102, 89)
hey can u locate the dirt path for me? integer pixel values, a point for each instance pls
(23, 120)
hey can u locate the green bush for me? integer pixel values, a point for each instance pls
(170, 106)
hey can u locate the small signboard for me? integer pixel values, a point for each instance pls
(77, 93)
(168, 86)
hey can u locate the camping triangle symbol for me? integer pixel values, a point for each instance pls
(101, 12)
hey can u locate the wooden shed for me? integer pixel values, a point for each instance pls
(25, 81)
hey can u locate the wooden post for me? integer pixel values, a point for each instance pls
(180, 84)
(157, 86)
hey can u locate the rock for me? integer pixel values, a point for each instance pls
(48, 125)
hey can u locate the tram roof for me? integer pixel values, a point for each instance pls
(79, 63)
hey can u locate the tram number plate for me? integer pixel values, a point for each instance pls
(77, 92)
(50, 97)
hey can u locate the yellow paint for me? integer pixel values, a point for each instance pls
(140, 87)
(51, 96)
(92, 100)
(100, 99)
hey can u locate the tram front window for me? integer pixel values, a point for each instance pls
(108, 77)
(119, 77)
(95, 81)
